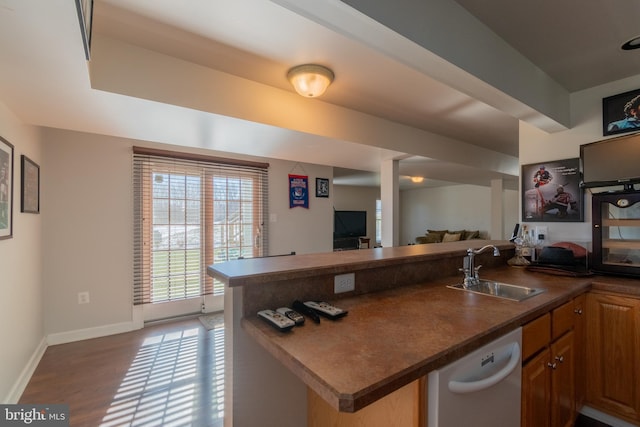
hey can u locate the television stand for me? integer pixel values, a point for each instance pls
(346, 243)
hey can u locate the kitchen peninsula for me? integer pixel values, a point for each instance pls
(403, 322)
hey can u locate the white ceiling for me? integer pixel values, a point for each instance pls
(437, 86)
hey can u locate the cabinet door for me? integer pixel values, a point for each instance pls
(563, 404)
(536, 396)
(579, 310)
(613, 349)
(616, 232)
(536, 336)
(562, 319)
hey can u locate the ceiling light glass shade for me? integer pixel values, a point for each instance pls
(310, 80)
(417, 179)
(634, 43)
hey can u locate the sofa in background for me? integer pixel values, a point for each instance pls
(437, 236)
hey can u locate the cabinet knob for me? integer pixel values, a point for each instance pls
(578, 311)
(560, 359)
(552, 365)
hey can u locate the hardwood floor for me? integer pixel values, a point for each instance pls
(169, 374)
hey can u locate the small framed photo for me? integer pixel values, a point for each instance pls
(621, 113)
(551, 192)
(322, 187)
(30, 190)
(6, 189)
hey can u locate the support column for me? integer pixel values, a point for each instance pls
(497, 210)
(390, 196)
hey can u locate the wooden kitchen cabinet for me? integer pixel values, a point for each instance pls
(536, 391)
(563, 386)
(613, 348)
(548, 372)
(579, 328)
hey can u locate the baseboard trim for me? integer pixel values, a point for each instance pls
(89, 333)
(27, 372)
(604, 418)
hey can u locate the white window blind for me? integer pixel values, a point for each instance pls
(192, 211)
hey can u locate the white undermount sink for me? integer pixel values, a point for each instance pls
(500, 290)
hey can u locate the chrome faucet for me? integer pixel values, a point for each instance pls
(471, 276)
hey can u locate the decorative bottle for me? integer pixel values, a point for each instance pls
(527, 245)
(518, 260)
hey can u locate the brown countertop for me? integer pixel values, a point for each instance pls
(621, 285)
(393, 337)
(256, 271)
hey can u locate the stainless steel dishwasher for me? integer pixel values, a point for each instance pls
(482, 389)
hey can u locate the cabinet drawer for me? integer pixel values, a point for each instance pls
(536, 335)
(562, 320)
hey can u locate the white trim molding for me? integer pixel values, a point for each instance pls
(88, 333)
(604, 418)
(26, 374)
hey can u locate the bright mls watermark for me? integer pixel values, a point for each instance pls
(34, 415)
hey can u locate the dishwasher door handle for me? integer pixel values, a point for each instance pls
(462, 387)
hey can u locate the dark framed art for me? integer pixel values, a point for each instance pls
(621, 113)
(551, 192)
(322, 187)
(6, 189)
(30, 189)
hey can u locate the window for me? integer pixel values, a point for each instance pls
(191, 212)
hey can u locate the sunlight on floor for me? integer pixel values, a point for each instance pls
(164, 385)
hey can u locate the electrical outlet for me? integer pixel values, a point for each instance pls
(83, 297)
(540, 233)
(344, 283)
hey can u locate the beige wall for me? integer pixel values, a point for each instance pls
(21, 305)
(454, 207)
(88, 228)
(298, 229)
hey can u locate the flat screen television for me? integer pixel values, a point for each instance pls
(611, 162)
(349, 224)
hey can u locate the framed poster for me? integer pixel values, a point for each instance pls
(298, 191)
(621, 113)
(30, 189)
(6, 189)
(322, 187)
(551, 192)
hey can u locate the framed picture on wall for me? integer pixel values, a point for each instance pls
(621, 113)
(6, 189)
(551, 192)
(30, 189)
(322, 187)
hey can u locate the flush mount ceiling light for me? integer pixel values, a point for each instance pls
(417, 179)
(310, 80)
(634, 43)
